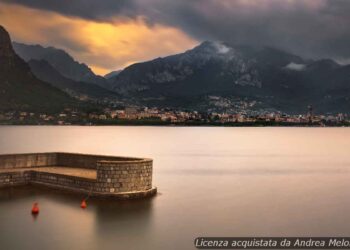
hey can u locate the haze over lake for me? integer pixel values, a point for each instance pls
(212, 181)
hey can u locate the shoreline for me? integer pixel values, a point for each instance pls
(184, 125)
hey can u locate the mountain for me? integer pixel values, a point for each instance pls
(45, 72)
(216, 75)
(20, 90)
(61, 61)
(112, 74)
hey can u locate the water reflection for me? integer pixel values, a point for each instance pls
(67, 224)
(134, 213)
(213, 181)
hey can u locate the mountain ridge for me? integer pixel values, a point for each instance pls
(46, 72)
(63, 62)
(275, 79)
(271, 79)
(20, 89)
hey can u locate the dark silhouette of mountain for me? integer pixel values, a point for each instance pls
(112, 74)
(61, 61)
(264, 78)
(20, 90)
(271, 78)
(44, 71)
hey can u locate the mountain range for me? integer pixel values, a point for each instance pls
(213, 76)
(61, 61)
(217, 75)
(81, 90)
(20, 89)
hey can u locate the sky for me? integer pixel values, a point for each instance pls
(112, 34)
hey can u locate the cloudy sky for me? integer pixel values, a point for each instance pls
(111, 34)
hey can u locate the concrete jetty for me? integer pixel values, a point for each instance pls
(96, 175)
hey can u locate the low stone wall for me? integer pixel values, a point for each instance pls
(15, 178)
(86, 160)
(121, 177)
(116, 177)
(27, 160)
(73, 183)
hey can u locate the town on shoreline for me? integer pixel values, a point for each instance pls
(158, 116)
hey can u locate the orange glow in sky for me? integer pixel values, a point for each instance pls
(104, 46)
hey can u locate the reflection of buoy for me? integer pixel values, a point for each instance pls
(83, 204)
(35, 208)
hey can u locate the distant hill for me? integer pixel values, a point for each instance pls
(20, 90)
(61, 61)
(112, 74)
(213, 76)
(44, 71)
(216, 75)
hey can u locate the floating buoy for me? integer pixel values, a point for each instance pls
(83, 204)
(35, 208)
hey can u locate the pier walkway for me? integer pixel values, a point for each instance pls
(70, 171)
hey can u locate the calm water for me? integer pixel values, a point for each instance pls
(212, 182)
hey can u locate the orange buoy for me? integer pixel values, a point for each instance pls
(35, 208)
(83, 204)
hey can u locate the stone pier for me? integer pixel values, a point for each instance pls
(96, 175)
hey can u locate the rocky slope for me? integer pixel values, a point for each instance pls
(61, 61)
(20, 90)
(44, 71)
(271, 78)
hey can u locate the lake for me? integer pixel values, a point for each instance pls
(212, 181)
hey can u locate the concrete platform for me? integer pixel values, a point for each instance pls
(96, 175)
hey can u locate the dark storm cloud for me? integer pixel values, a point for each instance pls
(89, 9)
(315, 28)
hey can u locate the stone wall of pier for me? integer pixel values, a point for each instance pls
(27, 160)
(116, 177)
(73, 183)
(15, 178)
(86, 160)
(123, 177)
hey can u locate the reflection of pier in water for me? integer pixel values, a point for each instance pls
(120, 220)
